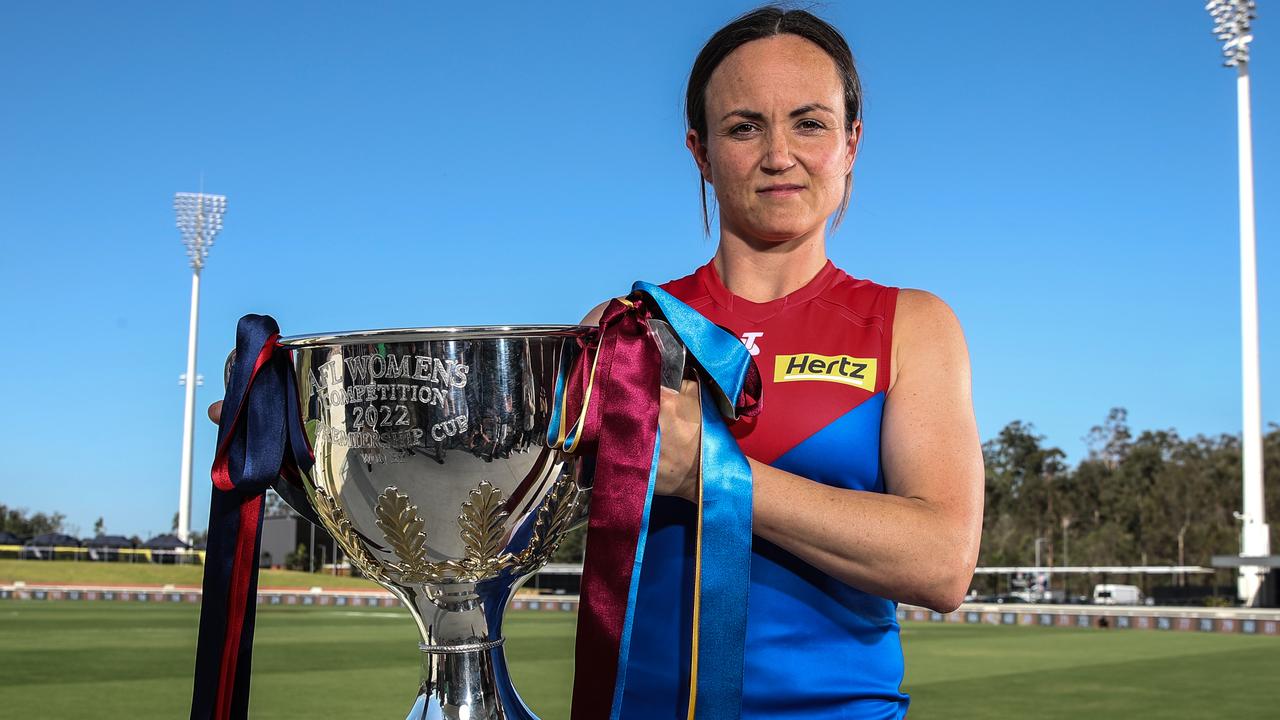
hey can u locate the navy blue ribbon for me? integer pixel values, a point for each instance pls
(260, 441)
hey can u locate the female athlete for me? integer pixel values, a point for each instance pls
(867, 468)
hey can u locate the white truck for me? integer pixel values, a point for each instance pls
(1116, 595)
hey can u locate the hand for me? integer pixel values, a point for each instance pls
(680, 418)
(215, 410)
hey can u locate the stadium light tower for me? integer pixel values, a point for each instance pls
(199, 220)
(1231, 25)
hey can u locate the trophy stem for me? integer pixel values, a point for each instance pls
(464, 669)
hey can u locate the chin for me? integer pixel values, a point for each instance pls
(780, 232)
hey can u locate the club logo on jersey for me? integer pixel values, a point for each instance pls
(843, 369)
(749, 339)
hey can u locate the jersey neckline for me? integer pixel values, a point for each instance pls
(755, 311)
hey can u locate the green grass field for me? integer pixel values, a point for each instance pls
(134, 660)
(143, 573)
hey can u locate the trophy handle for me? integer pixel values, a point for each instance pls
(673, 353)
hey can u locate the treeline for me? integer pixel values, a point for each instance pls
(18, 522)
(1154, 499)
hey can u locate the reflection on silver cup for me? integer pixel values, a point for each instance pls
(433, 474)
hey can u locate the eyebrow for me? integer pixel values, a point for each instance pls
(754, 115)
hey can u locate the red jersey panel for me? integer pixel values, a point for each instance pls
(822, 350)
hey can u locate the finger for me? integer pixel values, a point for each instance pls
(215, 412)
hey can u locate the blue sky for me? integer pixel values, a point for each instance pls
(1064, 175)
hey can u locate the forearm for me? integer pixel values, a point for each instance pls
(896, 547)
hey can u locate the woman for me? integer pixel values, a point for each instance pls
(866, 460)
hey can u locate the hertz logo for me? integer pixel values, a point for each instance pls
(844, 369)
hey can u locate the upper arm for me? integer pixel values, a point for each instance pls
(929, 442)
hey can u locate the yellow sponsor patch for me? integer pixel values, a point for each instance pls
(844, 369)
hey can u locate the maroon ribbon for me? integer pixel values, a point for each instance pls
(621, 426)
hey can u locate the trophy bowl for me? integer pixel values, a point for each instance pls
(433, 474)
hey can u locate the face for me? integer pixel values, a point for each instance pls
(776, 149)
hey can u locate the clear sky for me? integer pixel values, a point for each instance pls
(1063, 174)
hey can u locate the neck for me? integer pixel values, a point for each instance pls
(761, 271)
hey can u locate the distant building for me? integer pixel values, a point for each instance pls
(42, 547)
(107, 547)
(165, 548)
(282, 534)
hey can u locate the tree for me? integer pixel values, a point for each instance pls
(1023, 494)
(1109, 441)
(299, 559)
(571, 547)
(1271, 482)
(99, 526)
(16, 521)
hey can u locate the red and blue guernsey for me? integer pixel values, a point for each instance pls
(816, 648)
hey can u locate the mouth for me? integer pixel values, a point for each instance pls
(782, 190)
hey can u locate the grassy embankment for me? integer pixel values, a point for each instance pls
(67, 572)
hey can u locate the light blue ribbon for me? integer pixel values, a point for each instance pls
(726, 514)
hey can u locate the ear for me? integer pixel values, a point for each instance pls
(699, 152)
(851, 150)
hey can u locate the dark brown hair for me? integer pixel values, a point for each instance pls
(763, 22)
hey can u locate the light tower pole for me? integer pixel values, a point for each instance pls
(199, 220)
(1231, 20)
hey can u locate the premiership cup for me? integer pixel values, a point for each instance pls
(434, 475)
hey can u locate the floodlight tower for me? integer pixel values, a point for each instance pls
(199, 220)
(1231, 25)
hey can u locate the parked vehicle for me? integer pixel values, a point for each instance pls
(1110, 594)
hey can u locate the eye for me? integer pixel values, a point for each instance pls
(742, 129)
(811, 124)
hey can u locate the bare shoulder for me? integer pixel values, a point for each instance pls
(593, 317)
(925, 331)
(920, 310)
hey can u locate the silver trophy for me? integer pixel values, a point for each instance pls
(433, 473)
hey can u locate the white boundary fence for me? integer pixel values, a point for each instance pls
(1250, 621)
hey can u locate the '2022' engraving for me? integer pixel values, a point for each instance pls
(356, 386)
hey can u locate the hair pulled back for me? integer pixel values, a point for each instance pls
(763, 22)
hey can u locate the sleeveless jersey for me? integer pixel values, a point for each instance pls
(816, 648)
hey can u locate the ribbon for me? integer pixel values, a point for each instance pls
(607, 406)
(260, 441)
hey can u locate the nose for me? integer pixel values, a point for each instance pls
(777, 156)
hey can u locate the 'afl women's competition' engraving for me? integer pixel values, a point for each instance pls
(377, 402)
(361, 378)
